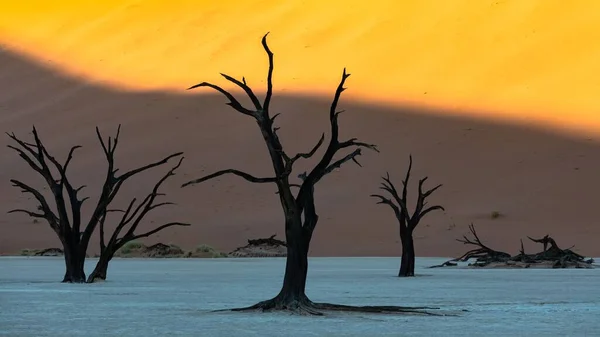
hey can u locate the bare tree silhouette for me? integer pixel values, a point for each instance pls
(299, 208)
(72, 231)
(407, 222)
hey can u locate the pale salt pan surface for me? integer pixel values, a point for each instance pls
(173, 297)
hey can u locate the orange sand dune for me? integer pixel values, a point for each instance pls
(527, 60)
(542, 182)
(533, 62)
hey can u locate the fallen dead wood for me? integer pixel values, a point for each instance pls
(551, 257)
(268, 241)
(262, 247)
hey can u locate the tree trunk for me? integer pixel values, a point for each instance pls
(106, 255)
(407, 265)
(296, 270)
(74, 261)
(292, 295)
(99, 273)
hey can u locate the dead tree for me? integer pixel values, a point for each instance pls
(131, 217)
(560, 257)
(407, 222)
(299, 208)
(72, 231)
(484, 255)
(551, 256)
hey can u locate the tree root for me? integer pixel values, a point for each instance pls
(445, 264)
(384, 309)
(307, 307)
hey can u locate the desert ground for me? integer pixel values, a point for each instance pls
(488, 97)
(150, 297)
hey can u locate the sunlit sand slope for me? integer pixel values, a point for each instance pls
(530, 60)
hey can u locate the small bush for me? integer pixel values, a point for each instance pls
(130, 247)
(219, 254)
(204, 249)
(27, 252)
(495, 215)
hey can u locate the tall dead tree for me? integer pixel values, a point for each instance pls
(72, 231)
(407, 222)
(299, 208)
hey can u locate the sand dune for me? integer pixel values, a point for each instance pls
(542, 182)
(525, 60)
(471, 88)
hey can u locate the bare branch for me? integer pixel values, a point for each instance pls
(309, 154)
(110, 186)
(389, 187)
(44, 206)
(353, 142)
(246, 89)
(385, 201)
(102, 240)
(149, 166)
(112, 183)
(545, 241)
(337, 164)
(125, 219)
(71, 191)
(238, 173)
(70, 157)
(148, 203)
(233, 102)
(408, 222)
(27, 159)
(156, 230)
(333, 114)
(418, 213)
(111, 145)
(406, 179)
(269, 93)
(432, 208)
(275, 116)
(483, 253)
(30, 213)
(325, 166)
(27, 146)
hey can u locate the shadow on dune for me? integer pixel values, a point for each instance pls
(540, 182)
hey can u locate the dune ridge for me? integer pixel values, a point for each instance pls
(540, 181)
(530, 61)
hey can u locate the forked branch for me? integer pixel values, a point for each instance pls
(113, 182)
(327, 164)
(36, 156)
(483, 253)
(399, 202)
(545, 241)
(260, 109)
(132, 217)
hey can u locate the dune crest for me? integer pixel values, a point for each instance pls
(537, 182)
(528, 61)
